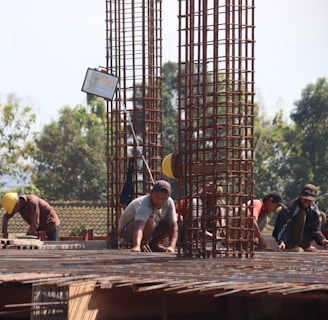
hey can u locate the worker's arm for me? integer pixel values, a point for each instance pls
(138, 235)
(5, 219)
(173, 236)
(252, 220)
(258, 235)
(34, 219)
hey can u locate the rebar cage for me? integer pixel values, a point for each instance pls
(216, 116)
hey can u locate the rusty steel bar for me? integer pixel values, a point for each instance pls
(216, 125)
(216, 115)
(135, 116)
(279, 273)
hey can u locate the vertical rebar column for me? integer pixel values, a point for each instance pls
(216, 125)
(135, 124)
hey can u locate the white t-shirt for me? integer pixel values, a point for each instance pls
(142, 209)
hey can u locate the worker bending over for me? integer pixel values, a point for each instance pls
(35, 211)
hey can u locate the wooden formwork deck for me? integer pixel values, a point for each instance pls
(282, 275)
(268, 272)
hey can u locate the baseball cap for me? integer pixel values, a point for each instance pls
(162, 186)
(276, 198)
(309, 192)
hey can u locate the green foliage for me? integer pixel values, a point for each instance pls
(289, 156)
(29, 189)
(170, 90)
(311, 120)
(270, 153)
(77, 231)
(15, 134)
(170, 93)
(69, 156)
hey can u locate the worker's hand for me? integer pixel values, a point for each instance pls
(136, 249)
(282, 246)
(325, 243)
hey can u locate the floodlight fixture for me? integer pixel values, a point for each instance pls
(100, 83)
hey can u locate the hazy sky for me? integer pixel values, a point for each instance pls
(47, 46)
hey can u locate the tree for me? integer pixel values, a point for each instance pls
(15, 134)
(289, 156)
(270, 153)
(170, 90)
(70, 155)
(311, 120)
(170, 115)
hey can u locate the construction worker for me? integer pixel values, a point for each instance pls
(244, 218)
(262, 207)
(35, 211)
(300, 224)
(149, 219)
(205, 210)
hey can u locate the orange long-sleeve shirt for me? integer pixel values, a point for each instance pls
(37, 213)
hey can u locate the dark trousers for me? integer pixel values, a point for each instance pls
(298, 237)
(54, 234)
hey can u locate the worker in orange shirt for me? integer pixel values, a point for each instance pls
(35, 211)
(269, 203)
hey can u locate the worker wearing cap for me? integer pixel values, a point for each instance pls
(35, 211)
(150, 218)
(300, 224)
(269, 203)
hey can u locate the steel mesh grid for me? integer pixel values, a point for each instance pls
(135, 116)
(216, 127)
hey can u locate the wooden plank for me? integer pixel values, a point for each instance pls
(78, 303)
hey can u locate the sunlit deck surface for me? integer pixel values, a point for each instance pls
(100, 283)
(272, 273)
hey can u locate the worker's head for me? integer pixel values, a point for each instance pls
(213, 188)
(210, 193)
(160, 193)
(9, 201)
(272, 201)
(308, 195)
